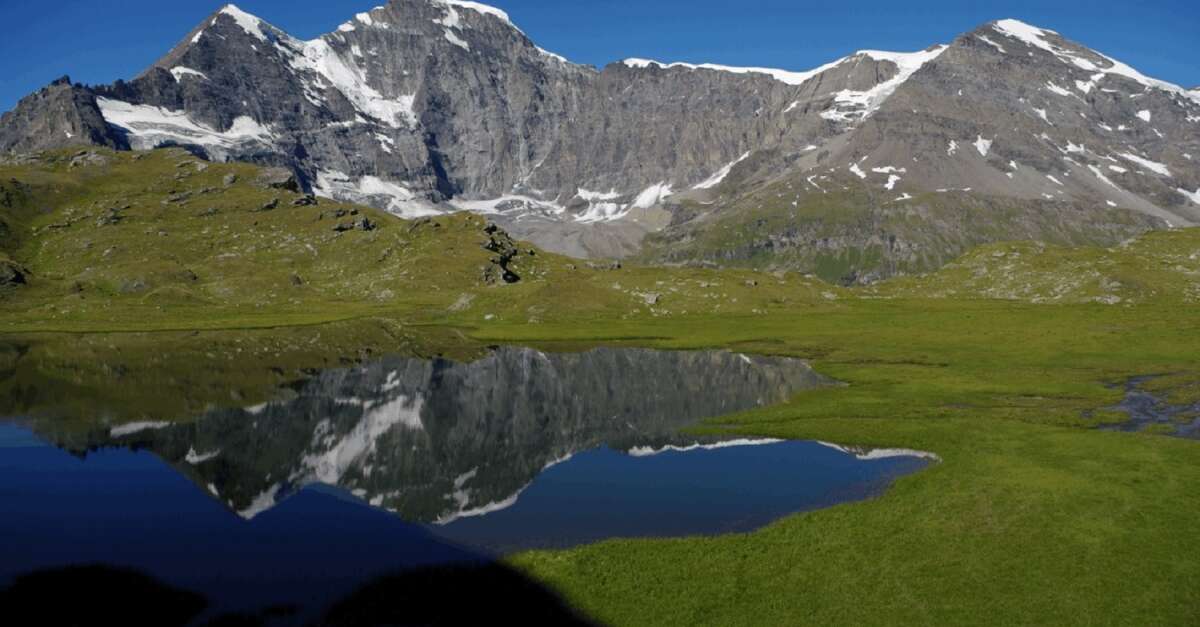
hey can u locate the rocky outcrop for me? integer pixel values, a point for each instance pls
(501, 266)
(276, 178)
(11, 274)
(57, 116)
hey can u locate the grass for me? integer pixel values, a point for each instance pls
(1002, 364)
(841, 230)
(1032, 517)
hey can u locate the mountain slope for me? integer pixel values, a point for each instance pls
(425, 106)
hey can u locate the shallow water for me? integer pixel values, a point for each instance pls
(1147, 411)
(408, 463)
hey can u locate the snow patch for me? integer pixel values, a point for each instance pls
(179, 72)
(881, 453)
(600, 205)
(479, 7)
(136, 427)
(652, 195)
(552, 56)
(1100, 175)
(647, 451)
(318, 57)
(150, 127)
(456, 40)
(992, 44)
(261, 503)
(851, 104)
(514, 202)
(1058, 90)
(385, 143)
(401, 201)
(783, 76)
(857, 171)
(983, 145)
(720, 175)
(1153, 166)
(249, 23)
(195, 458)
(1192, 196)
(345, 452)
(1144, 115)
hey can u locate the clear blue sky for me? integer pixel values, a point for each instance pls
(98, 41)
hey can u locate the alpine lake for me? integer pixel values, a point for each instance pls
(400, 468)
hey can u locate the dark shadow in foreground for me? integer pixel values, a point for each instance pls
(445, 595)
(453, 595)
(97, 595)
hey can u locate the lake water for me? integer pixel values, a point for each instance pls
(402, 464)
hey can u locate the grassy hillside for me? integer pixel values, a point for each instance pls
(111, 241)
(1163, 265)
(836, 227)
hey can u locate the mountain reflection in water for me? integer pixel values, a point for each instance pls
(434, 440)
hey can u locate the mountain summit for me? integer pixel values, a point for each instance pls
(874, 164)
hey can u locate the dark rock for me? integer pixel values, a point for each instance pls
(499, 242)
(362, 224)
(11, 274)
(132, 286)
(307, 200)
(88, 158)
(268, 206)
(110, 217)
(177, 198)
(606, 266)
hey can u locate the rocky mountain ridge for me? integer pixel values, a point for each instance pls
(426, 106)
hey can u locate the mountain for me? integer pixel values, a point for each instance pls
(875, 164)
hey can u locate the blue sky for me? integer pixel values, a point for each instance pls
(100, 41)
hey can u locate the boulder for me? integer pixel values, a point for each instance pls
(11, 274)
(278, 178)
